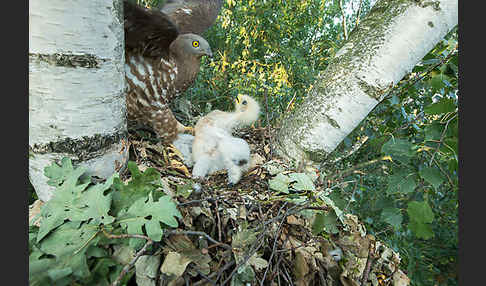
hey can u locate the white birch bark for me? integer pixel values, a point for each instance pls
(76, 87)
(388, 43)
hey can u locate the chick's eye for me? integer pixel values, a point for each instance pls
(195, 44)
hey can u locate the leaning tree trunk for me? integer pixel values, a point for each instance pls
(389, 42)
(76, 87)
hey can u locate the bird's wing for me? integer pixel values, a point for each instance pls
(148, 31)
(192, 16)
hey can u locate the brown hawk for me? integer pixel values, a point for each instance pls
(163, 49)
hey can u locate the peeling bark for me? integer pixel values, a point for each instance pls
(388, 43)
(76, 87)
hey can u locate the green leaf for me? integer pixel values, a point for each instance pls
(71, 202)
(420, 215)
(330, 222)
(140, 185)
(150, 213)
(57, 174)
(433, 131)
(420, 212)
(433, 176)
(398, 149)
(421, 230)
(67, 245)
(184, 190)
(302, 182)
(280, 183)
(56, 274)
(61, 206)
(402, 181)
(243, 276)
(437, 82)
(392, 216)
(442, 106)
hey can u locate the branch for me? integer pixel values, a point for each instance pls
(137, 256)
(344, 19)
(200, 233)
(356, 167)
(359, 12)
(441, 138)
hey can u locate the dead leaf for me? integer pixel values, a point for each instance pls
(34, 211)
(400, 279)
(174, 264)
(266, 148)
(256, 160)
(242, 211)
(146, 269)
(257, 262)
(291, 219)
(301, 268)
(346, 281)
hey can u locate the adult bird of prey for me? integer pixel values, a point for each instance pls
(163, 50)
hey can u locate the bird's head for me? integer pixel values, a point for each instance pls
(248, 107)
(191, 44)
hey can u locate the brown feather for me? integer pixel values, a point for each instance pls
(192, 16)
(160, 61)
(149, 32)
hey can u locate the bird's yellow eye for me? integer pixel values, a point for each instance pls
(195, 44)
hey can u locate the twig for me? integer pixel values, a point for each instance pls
(289, 280)
(356, 167)
(219, 220)
(359, 12)
(226, 266)
(254, 249)
(344, 20)
(369, 262)
(207, 278)
(273, 249)
(349, 202)
(444, 172)
(200, 233)
(441, 138)
(137, 256)
(209, 199)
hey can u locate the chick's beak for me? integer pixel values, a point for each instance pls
(238, 98)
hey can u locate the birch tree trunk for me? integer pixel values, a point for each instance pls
(388, 43)
(76, 87)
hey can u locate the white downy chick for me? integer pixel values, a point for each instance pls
(213, 146)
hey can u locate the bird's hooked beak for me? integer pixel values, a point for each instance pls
(209, 53)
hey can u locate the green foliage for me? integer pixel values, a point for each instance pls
(296, 181)
(275, 48)
(69, 244)
(420, 215)
(162, 210)
(410, 201)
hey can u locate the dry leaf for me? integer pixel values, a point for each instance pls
(257, 262)
(34, 211)
(174, 264)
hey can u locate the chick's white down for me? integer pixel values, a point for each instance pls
(213, 146)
